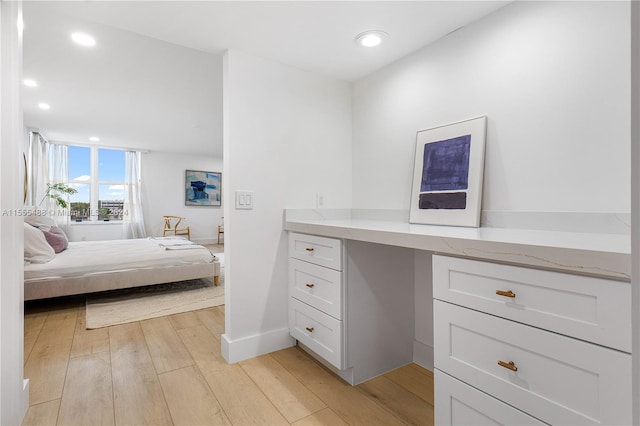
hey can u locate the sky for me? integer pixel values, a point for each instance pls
(111, 166)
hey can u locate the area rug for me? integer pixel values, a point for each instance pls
(140, 303)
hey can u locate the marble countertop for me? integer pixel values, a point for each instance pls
(606, 255)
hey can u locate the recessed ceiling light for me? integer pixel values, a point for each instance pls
(370, 38)
(94, 139)
(43, 105)
(30, 83)
(83, 39)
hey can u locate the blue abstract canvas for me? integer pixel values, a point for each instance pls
(445, 165)
(202, 188)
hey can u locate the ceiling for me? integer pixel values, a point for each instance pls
(154, 79)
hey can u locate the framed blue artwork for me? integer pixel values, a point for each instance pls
(202, 188)
(448, 173)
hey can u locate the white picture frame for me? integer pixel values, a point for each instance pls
(448, 174)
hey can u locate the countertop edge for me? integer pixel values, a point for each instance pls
(590, 260)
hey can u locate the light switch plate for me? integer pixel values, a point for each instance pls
(244, 200)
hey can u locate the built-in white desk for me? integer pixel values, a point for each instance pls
(570, 320)
(599, 254)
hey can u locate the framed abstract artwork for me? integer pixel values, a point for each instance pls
(448, 173)
(202, 188)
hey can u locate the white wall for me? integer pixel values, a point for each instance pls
(287, 136)
(94, 232)
(553, 79)
(635, 209)
(14, 391)
(163, 175)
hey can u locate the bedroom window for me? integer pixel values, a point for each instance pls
(98, 174)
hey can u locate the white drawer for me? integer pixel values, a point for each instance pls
(317, 286)
(317, 330)
(318, 250)
(459, 404)
(559, 380)
(592, 309)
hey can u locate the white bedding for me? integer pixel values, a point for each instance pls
(87, 258)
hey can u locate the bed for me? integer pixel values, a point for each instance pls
(92, 266)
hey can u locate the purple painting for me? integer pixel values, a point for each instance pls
(443, 200)
(445, 167)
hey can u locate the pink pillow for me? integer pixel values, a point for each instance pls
(56, 239)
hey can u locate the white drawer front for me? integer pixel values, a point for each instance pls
(592, 309)
(319, 331)
(559, 380)
(459, 404)
(318, 250)
(317, 286)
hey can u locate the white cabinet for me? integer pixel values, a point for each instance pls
(321, 251)
(318, 331)
(351, 304)
(592, 309)
(316, 286)
(460, 404)
(315, 295)
(524, 337)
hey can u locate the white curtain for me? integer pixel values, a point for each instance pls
(133, 221)
(58, 156)
(48, 164)
(38, 169)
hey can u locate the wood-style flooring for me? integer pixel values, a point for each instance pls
(169, 370)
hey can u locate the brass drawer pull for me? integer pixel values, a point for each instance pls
(309, 249)
(505, 293)
(309, 329)
(508, 365)
(309, 285)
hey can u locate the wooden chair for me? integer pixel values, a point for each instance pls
(220, 231)
(171, 225)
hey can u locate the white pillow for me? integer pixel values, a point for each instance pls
(38, 217)
(36, 247)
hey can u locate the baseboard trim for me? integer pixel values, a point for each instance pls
(25, 399)
(249, 347)
(423, 355)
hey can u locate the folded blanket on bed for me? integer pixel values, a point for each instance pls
(175, 243)
(172, 241)
(182, 247)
